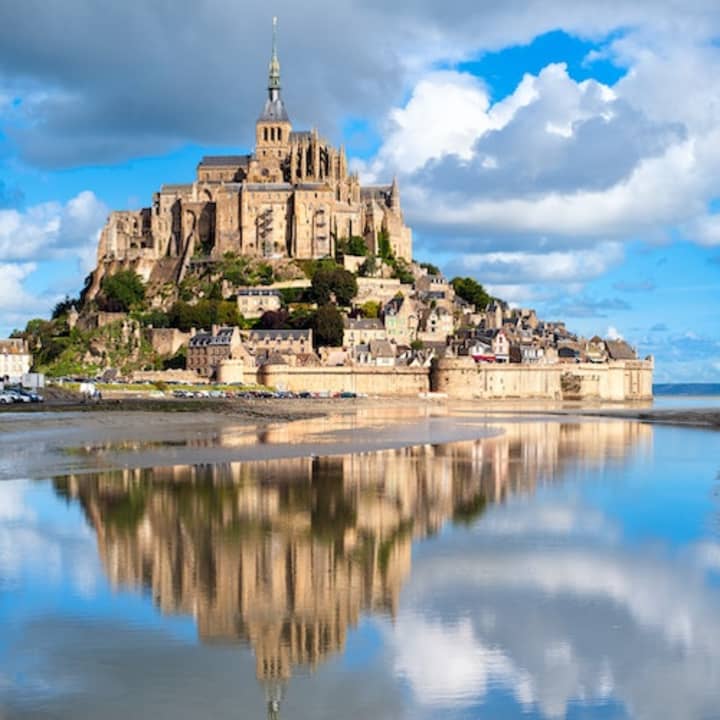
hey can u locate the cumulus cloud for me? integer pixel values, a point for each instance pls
(538, 267)
(52, 229)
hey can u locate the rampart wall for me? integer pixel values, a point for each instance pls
(363, 380)
(461, 378)
(614, 381)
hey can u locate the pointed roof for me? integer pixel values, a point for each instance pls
(274, 110)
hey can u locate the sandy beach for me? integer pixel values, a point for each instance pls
(54, 440)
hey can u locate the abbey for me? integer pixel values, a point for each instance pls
(293, 197)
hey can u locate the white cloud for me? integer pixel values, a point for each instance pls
(538, 267)
(50, 230)
(612, 333)
(16, 303)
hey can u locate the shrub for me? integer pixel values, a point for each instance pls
(123, 290)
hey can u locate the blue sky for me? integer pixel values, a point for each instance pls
(565, 156)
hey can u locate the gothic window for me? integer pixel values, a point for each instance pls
(265, 134)
(279, 133)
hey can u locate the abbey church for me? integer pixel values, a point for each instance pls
(292, 198)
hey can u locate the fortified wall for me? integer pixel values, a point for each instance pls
(362, 380)
(616, 381)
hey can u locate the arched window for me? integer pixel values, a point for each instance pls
(279, 134)
(265, 134)
(272, 134)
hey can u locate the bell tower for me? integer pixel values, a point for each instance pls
(272, 130)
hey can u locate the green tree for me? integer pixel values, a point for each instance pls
(471, 291)
(333, 280)
(402, 271)
(370, 309)
(357, 246)
(431, 269)
(384, 246)
(328, 326)
(64, 306)
(122, 291)
(203, 314)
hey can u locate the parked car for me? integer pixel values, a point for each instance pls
(17, 396)
(32, 396)
(6, 398)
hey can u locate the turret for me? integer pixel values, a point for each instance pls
(395, 195)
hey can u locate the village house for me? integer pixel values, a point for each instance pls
(279, 341)
(361, 331)
(436, 324)
(401, 319)
(206, 350)
(15, 359)
(253, 302)
(435, 290)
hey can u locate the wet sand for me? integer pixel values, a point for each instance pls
(46, 443)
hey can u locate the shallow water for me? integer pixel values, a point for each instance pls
(560, 569)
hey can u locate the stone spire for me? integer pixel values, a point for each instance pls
(274, 69)
(274, 108)
(395, 195)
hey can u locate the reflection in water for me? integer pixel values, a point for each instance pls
(285, 555)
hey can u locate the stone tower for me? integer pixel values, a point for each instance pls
(273, 128)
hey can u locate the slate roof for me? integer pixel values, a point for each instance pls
(201, 339)
(363, 324)
(619, 350)
(225, 160)
(280, 335)
(274, 110)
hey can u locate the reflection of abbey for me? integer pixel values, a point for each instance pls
(286, 555)
(293, 197)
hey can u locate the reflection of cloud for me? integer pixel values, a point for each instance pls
(447, 664)
(12, 504)
(571, 614)
(40, 545)
(550, 519)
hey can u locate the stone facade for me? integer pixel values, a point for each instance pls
(206, 350)
(15, 359)
(294, 196)
(253, 302)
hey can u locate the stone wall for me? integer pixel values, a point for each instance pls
(167, 341)
(370, 380)
(615, 381)
(181, 376)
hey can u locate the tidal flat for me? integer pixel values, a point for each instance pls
(395, 560)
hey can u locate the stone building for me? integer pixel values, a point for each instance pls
(252, 302)
(293, 196)
(360, 331)
(206, 350)
(279, 341)
(15, 359)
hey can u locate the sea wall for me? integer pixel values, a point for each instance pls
(614, 381)
(364, 380)
(461, 378)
